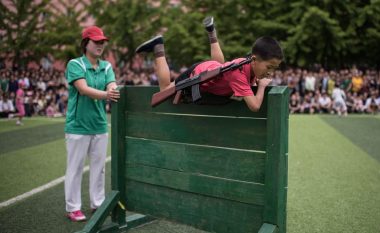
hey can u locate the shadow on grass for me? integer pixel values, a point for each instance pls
(363, 131)
(22, 138)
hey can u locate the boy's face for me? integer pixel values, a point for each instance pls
(265, 69)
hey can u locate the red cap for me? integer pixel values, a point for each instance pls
(94, 33)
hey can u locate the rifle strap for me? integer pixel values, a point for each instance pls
(181, 77)
(187, 73)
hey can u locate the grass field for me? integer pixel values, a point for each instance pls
(334, 176)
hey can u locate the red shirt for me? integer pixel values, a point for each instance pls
(236, 82)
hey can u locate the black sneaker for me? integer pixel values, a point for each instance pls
(208, 22)
(148, 46)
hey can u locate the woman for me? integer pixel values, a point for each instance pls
(91, 82)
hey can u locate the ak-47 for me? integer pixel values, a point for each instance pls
(194, 83)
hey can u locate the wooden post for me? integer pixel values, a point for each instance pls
(118, 155)
(276, 175)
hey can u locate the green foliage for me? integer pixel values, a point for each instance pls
(316, 39)
(331, 33)
(368, 35)
(62, 34)
(128, 22)
(19, 27)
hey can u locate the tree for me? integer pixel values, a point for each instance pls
(367, 37)
(128, 22)
(316, 39)
(328, 32)
(238, 23)
(349, 29)
(20, 27)
(61, 30)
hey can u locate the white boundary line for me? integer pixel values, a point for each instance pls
(40, 189)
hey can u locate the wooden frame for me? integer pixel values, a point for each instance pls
(217, 168)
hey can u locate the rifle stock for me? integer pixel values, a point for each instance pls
(161, 96)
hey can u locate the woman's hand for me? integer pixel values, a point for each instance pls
(113, 94)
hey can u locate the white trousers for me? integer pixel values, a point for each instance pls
(78, 147)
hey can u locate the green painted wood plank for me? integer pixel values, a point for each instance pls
(242, 133)
(136, 220)
(183, 128)
(213, 161)
(138, 100)
(276, 164)
(112, 227)
(94, 224)
(268, 228)
(118, 153)
(207, 213)
(247, 192)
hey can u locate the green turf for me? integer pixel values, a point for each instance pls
(32, 161)
(28, 168)
(10, 125)
(31, 136)
(21, 173)
(45, 212)
(363, 131)
(334, 184)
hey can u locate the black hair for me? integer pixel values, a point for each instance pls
(83, 45)
(267, 48)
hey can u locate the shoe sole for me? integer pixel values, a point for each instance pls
(75, 220)
(208, 21)
(146, 42)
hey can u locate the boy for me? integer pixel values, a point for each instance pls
(266, 53)
(339, 103)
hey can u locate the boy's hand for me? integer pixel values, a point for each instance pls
(264, 81)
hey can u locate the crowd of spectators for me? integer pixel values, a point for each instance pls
(335, 92)
(45, 92)
(320, 91)
(311, 91)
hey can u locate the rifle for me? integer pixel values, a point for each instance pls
(194, 83)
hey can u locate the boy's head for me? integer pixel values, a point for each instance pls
(268, 55)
